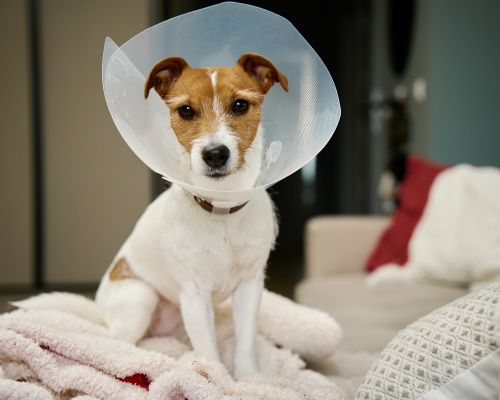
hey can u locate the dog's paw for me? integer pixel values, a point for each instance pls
(244, 369)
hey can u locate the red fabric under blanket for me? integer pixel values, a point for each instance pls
(392, 246)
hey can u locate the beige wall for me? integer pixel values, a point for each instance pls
(95, 187)
(15, 146)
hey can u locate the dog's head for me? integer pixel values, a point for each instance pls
(216, 115)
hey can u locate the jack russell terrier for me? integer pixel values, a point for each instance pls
(179, 252)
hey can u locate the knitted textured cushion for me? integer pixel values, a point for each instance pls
(439, 350)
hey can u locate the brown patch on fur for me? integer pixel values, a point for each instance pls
(232, 83)
(263, 71)
(164, 74)
(120, 271)
(196, 86)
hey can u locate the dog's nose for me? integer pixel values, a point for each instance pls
(216, 157)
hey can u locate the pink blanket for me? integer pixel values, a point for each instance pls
(47, 354)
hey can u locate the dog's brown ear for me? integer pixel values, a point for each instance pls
(263, 71)
(164, 74)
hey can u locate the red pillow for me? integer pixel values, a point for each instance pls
(392, 245)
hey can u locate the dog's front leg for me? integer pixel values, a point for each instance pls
(198, 315)
(246, 303)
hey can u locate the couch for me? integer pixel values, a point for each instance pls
(335, 250)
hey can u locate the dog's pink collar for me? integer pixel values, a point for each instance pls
(217, 210)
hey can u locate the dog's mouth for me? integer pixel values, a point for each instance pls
(217, 174)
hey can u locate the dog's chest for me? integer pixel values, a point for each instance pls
(232, 256)
(217, 253)
(228, 253)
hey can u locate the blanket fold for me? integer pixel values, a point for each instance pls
(49, 354)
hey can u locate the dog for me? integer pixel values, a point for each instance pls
(185, 251)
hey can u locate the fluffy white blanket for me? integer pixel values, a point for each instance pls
(457, 240)
(48, 354)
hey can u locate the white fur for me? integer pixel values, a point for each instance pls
(213, 77)
(178, 99)
(249, 93)
(184, 255)
(243, 178)
(62, 301)
(222, 136)
(216, 104)
(181, 253)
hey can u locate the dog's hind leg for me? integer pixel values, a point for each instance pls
(128, 304)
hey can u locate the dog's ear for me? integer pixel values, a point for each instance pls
(164, 74)
(263, 71)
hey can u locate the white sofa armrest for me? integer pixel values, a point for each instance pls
(340, 244)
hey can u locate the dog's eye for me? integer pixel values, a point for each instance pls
(186, 112)
(240, 106)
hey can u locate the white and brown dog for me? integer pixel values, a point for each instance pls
(178, 252)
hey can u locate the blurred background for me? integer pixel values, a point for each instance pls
(419, 77)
